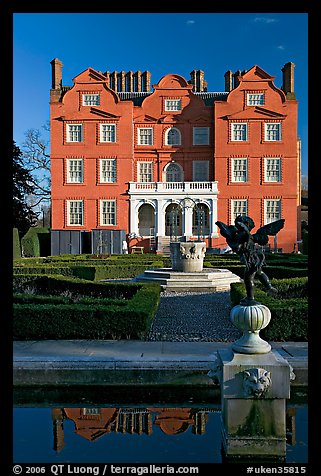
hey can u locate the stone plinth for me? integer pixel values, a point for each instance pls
(254, 389)
(213, 279)
(187, 256)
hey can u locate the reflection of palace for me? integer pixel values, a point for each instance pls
(93, 423)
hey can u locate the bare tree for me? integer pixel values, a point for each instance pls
(304, 183)
(36, 160)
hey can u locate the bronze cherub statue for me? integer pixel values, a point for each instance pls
(240, 240)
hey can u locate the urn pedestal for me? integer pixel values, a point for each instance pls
(250, 319)
(187, 256)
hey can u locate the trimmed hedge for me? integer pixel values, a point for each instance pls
(289, 314)
(277, 272)
(16, 246)
(36, 242)
(90, 318)
(88, 271)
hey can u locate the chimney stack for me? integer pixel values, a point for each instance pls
(228, 76)
(235, 78)
(288, 80)
(56, 69)
(197, 80)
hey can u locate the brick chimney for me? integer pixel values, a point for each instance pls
(228, 77)
(197, 80)
(235, 78)
(288, 80)
(56, 69)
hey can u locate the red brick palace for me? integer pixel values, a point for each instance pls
(145, 166)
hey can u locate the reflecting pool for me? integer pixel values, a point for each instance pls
(143, 432)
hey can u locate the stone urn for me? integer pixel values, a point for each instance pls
(187, 256)
(250, 320)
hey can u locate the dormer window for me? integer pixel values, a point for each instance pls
(173, 105)
(255, 99)
(90, 100)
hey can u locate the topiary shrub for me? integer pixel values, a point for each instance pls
(16, 244)
(35, 242)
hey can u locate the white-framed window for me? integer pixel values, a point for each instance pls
(173, 173)
(74, 133)
(145, 136)
(108, 170)
(90, 100)
(145, 171)
(91, 411)
(239, 131)
(201, 135)
(75, 170)
(200, 170)
(272, 131)
(75, 212)
(238, 207)
(107, 132)
(173, 136)
(272, 210)
(239, 170)
(173, 105)
(272, 170)
(107, 212)
(255, 99)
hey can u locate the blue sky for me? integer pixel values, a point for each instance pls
(161, 43)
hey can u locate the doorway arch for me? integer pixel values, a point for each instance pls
(173, 220)
(146, 220)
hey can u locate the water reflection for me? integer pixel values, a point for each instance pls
(146, 434)
(93, 423)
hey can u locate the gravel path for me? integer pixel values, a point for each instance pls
(194, 317)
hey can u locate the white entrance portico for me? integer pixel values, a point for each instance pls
(173, 208)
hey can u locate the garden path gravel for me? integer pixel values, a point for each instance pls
(190, 317)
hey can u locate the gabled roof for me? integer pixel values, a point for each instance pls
(255, 113)
(256, 73)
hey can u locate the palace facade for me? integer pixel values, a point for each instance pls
(148, 166)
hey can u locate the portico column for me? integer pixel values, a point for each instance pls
(134, 216)
(187, 221)
(160, 218)
(213, 218)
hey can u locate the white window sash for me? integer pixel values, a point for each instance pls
(272, 210)
(145, 171)
(74, 133)
(173, 105)
(108, 212)
(255, 99)
(75, 211)
(173, 137)
(145, 136)
(108, 170)
(239, 131)
(272, 132)
(238, 207)
(200, 170)
(75, 171)
(272, 170)
(239, 170)
(90, 99)
(108, 133)
(201, 135)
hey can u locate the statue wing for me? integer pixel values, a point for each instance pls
(271, 229)
(228, 231)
